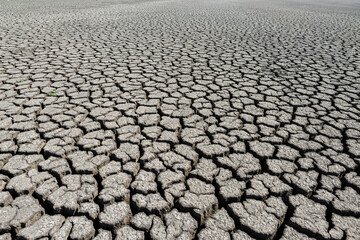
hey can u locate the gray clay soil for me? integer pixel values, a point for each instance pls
(179, 119)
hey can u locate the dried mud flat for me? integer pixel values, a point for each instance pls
(179, 120)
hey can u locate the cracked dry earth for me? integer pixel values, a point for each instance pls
(179, 120)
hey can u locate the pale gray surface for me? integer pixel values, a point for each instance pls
(230, 119)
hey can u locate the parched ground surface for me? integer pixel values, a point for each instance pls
(179, 120)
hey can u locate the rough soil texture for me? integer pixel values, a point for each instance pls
(179, 120)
